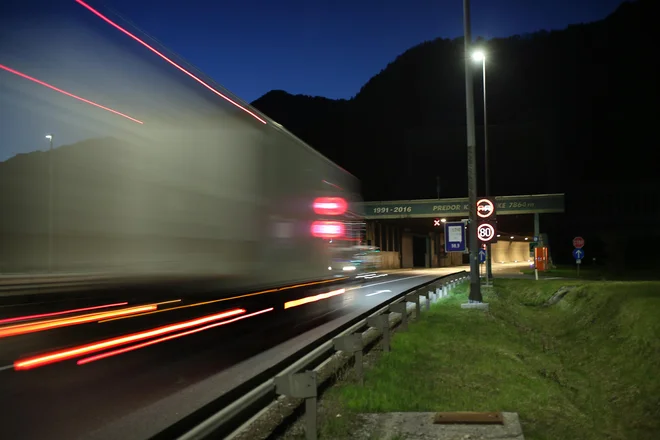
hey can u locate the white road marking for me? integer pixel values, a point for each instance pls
(386, 282)
(379, 291)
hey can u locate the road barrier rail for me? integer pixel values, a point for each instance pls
(261, 410)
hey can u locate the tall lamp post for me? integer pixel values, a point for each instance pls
(480, 56)
(50, 203)
(475, 284)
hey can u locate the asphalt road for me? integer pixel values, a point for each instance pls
(136, 394)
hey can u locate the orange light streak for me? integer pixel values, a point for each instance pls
(62, 312)
(229, 299)
(62, 355)
(166, 338)
(20, 329)
(314, 298)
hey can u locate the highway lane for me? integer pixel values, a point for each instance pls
(138, 393)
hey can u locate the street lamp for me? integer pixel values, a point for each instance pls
(50, 203)
(479, 56)
(475, 284)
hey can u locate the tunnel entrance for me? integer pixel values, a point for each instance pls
(419, 251)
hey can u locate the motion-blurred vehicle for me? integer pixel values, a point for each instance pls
(158, 173)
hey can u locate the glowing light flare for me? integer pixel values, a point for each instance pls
(330, 206)
(314, 298)
(62, 312)
(71, 95)
(70, 353)
(167, 338)
(327, 229)
(134, 37)
(21, 329)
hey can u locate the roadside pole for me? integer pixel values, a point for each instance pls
(473, 242)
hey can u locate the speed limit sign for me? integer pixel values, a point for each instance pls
(485, 232)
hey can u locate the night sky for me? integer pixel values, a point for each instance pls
(328, 48)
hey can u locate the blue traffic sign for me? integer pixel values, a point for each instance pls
(454, 237)
(578, 254)
(482, 255)
(536, 238)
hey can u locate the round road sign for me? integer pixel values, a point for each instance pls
(485, 208)
(485, 232)
(578, 242)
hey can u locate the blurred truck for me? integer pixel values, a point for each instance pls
(157, 173)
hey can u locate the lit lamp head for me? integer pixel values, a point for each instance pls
(49, 137)
(478, 55)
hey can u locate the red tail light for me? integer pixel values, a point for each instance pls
(330, 206)
(328, 229)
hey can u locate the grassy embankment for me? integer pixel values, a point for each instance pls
(600, 273)
(585, 368)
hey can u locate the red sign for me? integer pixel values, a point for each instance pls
(578, 242)
(485, 232)
(485, 208)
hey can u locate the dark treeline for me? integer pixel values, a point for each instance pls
(569, 111)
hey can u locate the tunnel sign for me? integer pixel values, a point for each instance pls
(485, 232)
(485, 208)
(454, 237)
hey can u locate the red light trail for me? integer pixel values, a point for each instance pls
(151, 48)
(64, 92)
(63, 312)
(70, 353)
(108, 354)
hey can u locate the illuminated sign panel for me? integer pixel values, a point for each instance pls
(504, 205)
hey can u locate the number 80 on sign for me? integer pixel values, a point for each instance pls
(485, 232)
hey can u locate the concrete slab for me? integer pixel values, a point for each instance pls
(420, 426)
(479, 306)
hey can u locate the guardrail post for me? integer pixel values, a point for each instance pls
(445, 289)
(400, 308)
(430, 292)
(414, 298)
(424, 292)
(382, 323)
(301, 386)
(352, 344)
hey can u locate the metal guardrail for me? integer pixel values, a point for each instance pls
(290, 382)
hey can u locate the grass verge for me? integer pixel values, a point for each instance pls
(600, 273)
(584, 368)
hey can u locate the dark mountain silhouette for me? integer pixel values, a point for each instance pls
(568, 110)
(561, 102)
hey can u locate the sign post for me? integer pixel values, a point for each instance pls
(455, 237)
(486, 214)
(578, 254)
(482, 260)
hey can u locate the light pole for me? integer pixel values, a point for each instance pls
(475, 283)
(50, 203)
(480, 56)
